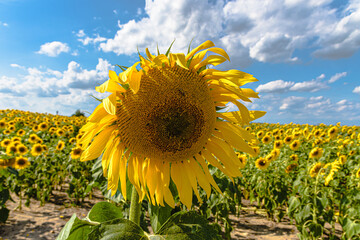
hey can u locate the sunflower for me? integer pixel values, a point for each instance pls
(294, 157)
(60, 132)
(21, 163)
(332, 132)
(7, 162)
(262, 163)
(314, 170)
(256, 151)
(329, 177)
(161, 123)
(76, 152)
(357, 174)
(33, 138)
(6, 142)
(242, 158)
(21, 132)
(22, 149)
(294, 145)
(259, 134)
(352, 152)
(291, 167)
(72, 140)
(37, 149)
(288, 140)
(2, 124)
(342, 159)
(11, 149)
(316, 152)
(278, 144)
(43, 126)
(60, 145)
(266, 139)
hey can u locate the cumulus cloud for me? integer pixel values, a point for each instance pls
(266, 31)
(48, 90)
(14, 65)
(309, 86)
(277, 86)
(4, 24)
(337, 76)
(341, 39)
(292, 103)
(53, 49)
(356, 90)
(86, 40)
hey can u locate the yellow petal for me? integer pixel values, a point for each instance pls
(202, 46)
(98, 113)
(97, 146)
(110, 104)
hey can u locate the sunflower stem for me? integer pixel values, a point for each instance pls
(135, 207)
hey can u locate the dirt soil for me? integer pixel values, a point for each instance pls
(45, 222)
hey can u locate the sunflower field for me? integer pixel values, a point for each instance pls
(308, 173)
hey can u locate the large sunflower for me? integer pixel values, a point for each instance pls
(161, 123)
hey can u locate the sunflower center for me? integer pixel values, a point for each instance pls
(171, 116)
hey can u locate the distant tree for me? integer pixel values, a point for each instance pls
(78, 113)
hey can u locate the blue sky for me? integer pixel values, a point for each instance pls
(305, 53)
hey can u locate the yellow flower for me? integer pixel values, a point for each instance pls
(33, 138)
(256, 151)
(294, 157)
(262, 163)
(21, 163)
(342, 159)
(295, 145)
(21, 132)
(266, 139)
(37, 149)
(242, 158)
(6, 142)
(43, 126)
(60, 146)
(278, 144)
(315, 169)
(11, 149)
(316, 152)
(22, 149)
(76, 152)
(291, 167)
(329, 177)
(160, 123)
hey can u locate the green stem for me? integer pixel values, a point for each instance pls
(135, 207)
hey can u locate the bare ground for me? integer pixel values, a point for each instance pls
(45, 222)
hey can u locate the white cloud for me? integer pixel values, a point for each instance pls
(337, 76)
(308, 86)
(53, 49)
(14, 65)
(86, 40)
(48, 90)
(115, 11)
(341, 102)
(341, 38)
(356, 90)
(277, 86)
(292, 103)
(81, 33)
(266, 31)
(4, 24)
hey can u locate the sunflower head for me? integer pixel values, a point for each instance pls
(60, 145)
(295, 145)
(76, 152)
(262, 163)
(21, 163)
(160, 123)
(316, 152)
(37, 149)
(314, 170)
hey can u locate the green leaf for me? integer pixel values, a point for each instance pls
(75, 229)
(4, 196)
(294, 203)
(351, 228)
(4, 214)
(117, 229)
(158, 215)
(104, 211)
(186, 225)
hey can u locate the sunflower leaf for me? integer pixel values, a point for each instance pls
(168, 51)
(187, 225)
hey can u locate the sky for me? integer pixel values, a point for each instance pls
(305, 53)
